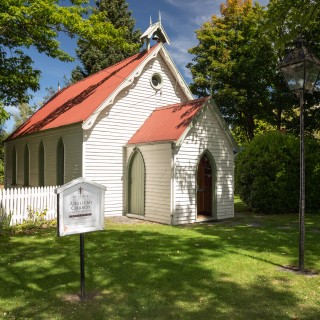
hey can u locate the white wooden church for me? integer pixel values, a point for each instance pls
(135, 128)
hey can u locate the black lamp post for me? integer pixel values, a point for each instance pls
(300, 69)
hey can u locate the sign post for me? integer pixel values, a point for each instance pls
(82, 275)
(80, 210)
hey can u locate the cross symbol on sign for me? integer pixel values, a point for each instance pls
(80, 190)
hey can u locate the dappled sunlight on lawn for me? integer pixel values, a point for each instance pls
(223, 270)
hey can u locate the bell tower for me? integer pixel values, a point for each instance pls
(155, 32)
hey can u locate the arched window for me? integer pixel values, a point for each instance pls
(41, 164)
(60, 162)
(26, 166)
(14, 166)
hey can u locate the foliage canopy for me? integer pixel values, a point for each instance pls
(94, 57)
(267, 173)
(236, 61)
(295, 18)
(24, 111)
(37, 23)
(228, 59)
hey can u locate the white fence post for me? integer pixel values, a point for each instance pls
(17, 202)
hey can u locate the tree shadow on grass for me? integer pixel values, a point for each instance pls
(173, 281)
(138, 273)
(265, 234)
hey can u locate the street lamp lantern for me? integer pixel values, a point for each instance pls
(301, 69)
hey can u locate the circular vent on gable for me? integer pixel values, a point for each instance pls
(156, 81)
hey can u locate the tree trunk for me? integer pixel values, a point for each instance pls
(250, 126)
(278, 118)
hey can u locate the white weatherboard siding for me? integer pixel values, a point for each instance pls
(157, 159)
(103, 143)
(207, 134)
(72, 138)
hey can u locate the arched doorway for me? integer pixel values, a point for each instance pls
(136, 184)
(206, 187)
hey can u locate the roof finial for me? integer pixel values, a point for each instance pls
(155, 32)
(59, 86)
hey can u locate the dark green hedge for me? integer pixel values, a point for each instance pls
(267, 173)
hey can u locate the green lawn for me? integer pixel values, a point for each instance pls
(225, 270)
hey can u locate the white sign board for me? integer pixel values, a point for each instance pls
(80, 207)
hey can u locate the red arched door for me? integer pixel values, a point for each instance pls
(205, 187)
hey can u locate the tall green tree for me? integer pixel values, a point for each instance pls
(233, 62)
(94, 57)
(295, 18)
(287, 20)
(37, 23)
(24, 112)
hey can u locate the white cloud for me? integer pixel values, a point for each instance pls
(196, 8)
(182, 27)
(192, 14)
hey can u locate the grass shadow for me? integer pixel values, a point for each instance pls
(148, 272)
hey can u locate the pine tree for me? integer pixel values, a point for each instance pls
(94, 58)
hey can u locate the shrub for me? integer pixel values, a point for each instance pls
(37, 217)
(5, 220)
(267, 173)
(36, 220)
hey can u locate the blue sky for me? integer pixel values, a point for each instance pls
(180, 18)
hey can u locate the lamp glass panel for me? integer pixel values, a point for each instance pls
(294, 75)
(312, 72)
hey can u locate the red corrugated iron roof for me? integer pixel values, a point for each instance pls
(168, 123)
(78, 101)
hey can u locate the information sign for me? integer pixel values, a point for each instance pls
(80, 207)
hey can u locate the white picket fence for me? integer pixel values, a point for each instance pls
(18, 202)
